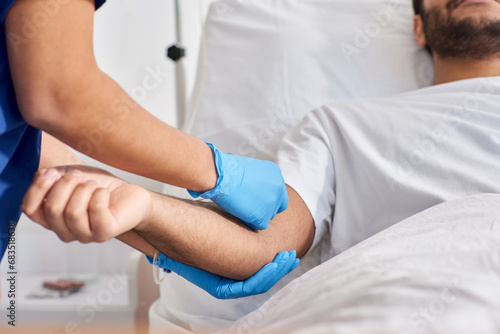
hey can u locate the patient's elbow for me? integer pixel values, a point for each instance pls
(272, 269)
(242, 270)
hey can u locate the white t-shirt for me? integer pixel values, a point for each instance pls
(362, 166)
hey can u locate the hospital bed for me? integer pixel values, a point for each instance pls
(263, 64)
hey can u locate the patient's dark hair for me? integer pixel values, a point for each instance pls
(417, 6)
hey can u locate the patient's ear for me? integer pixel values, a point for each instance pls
(418, 31)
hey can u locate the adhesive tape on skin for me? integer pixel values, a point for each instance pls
(156, 269)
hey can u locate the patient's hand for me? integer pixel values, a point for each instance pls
(85, 204)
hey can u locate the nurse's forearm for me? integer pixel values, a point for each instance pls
(107, 125)
(61, 90)
(202, 236)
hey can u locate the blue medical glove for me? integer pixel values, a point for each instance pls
(225, 288)
(252, 190)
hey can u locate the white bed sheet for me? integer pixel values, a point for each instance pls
(436, 272)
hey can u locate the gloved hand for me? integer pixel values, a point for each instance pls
(225, 288)
(252, 190)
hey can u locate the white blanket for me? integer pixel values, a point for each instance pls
(436, 272)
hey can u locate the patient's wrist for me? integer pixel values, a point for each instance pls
(156, 212)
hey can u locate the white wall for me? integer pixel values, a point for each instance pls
(131, 38)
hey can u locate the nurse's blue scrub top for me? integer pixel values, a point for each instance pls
(19, 143)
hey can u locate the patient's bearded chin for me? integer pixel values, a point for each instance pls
(468, 38)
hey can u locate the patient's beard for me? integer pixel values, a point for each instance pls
(468, 38)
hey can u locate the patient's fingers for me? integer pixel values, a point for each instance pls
(102, 222)
(76, 212)
(56, 202)
(32, 204)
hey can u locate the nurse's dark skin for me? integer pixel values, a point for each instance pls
(61, 90)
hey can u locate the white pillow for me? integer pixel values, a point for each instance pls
(436, 272)
(265, 64)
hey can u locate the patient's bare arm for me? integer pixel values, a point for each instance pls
(90, 205)
(203, 236)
